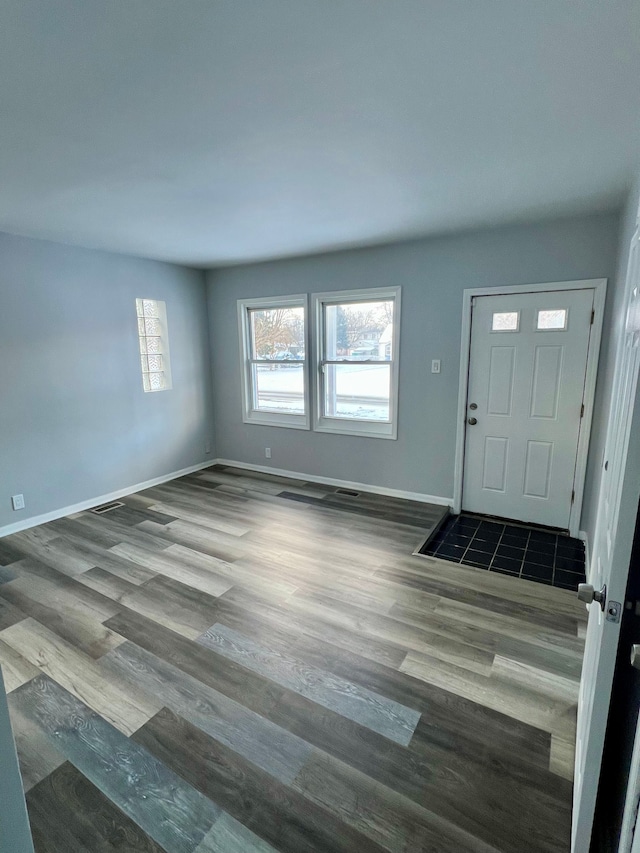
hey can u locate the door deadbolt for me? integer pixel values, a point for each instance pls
(473, 405)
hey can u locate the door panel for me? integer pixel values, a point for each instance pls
(527, 367)
(538, 469)
(501, 380)
(495, 464)
(547, 372)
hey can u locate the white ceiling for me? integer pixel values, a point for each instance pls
(215, 131)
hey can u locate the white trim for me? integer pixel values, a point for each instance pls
(599, 286)
(332, 481)
(35, 520)
(351, 426)
(249, 414)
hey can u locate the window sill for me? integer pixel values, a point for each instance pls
(275, 420)
(363, 429)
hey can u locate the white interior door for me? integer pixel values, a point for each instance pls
(527, 367)
(607, 568)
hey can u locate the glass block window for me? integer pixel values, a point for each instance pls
(552, 320)
(505, 321)
(154, 344)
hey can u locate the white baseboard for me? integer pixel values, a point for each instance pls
(332, 481)
(584, 536)
(35, 520)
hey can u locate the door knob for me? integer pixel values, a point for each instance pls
(588, 594)
(472, 421)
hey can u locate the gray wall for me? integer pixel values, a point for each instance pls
(433, 273)
(74, 421)
(615, 326)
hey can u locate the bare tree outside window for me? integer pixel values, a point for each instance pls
(277, 330)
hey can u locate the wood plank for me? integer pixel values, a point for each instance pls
(15, 669)
(72, 624)
(228, 835)
(102, 525)
(8, 553)
(199, 578)
(6, 575)
(9, 614)
(522, 704)
(278, 814)
(513, 589)
(179, 510)
(235, 573)
(62, 595)
(67, 812)
(237, 602)
(509, 626)
(165, 807)
(393, 630)
(174, 605)
(382, 715)
(555, 686)
(54, 552)
(447, 714)
(38, 757)
(198, 538)
(117, 701)
(268, 746)
(94, 545)
(488, 602)
(399, 824)
(505, 759)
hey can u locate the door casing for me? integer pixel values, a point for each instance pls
(599, 286)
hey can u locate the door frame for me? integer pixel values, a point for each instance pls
(599, 287)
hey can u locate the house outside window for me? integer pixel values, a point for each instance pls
(274, 368)
(357, 346)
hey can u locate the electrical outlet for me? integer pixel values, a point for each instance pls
(435, 365)
(17, 501)
(267, 452)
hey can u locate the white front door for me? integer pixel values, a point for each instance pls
(527, 366)
(608, 568)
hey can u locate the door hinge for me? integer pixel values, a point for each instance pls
(573, 496)
(593, 316)
(582, 410)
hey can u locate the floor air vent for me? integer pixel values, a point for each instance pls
(349, 492)
(99, 510)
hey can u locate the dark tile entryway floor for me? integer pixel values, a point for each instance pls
(528, 552)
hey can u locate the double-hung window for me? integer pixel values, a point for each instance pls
(273, 352)
(357, 343)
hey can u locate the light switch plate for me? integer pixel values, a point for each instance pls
(435, 365)
(17, 501)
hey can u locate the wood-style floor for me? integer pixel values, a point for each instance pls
(218, 666)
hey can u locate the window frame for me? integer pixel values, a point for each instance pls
(250, 415)
(163, 337)
(352, 426)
